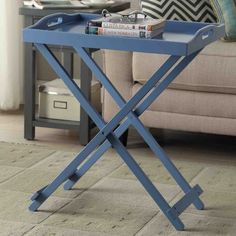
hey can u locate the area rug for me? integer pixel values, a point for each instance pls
(109, 200)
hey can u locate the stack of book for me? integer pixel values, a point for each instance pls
(119, 26)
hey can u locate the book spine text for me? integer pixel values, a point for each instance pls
(124, 32)
(112, 25)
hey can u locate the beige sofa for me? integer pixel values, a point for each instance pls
(202, 99)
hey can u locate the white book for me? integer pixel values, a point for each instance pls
(140, 24)
(130, 33)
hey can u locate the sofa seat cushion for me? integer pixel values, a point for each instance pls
(193, 103)
(202, 124)
(212, 70)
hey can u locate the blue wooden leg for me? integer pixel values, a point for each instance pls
(145, 181)
(43, 194)
(138, 172)
(137, 123)
(155, 78)
(87, 165)
(154, 94)
(155, 146)
(106, 132)
(158, 151)
(39, 197)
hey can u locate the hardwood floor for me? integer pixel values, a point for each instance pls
(12, 128)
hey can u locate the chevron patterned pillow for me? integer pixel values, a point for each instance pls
(187, 10)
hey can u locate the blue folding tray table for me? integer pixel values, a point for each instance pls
(181, 40)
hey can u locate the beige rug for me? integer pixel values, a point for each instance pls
(109, 200)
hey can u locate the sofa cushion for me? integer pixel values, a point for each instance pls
(194, 103)
(212, 71)
(202, 124)
(226, 13)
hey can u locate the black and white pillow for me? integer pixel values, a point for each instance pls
(187, 10)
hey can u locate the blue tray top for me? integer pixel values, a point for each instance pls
(179, 38)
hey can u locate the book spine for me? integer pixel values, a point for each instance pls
(112, 25)
(124, 32)
(91, 30)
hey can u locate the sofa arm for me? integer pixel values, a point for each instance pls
(118, 67)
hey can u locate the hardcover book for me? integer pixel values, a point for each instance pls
(140, 24)
(125, 32)
(124, 25)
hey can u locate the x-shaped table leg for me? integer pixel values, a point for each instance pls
(106, 132)
(133, 119)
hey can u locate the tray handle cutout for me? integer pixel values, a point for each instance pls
(54, 22)
(207, 34)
